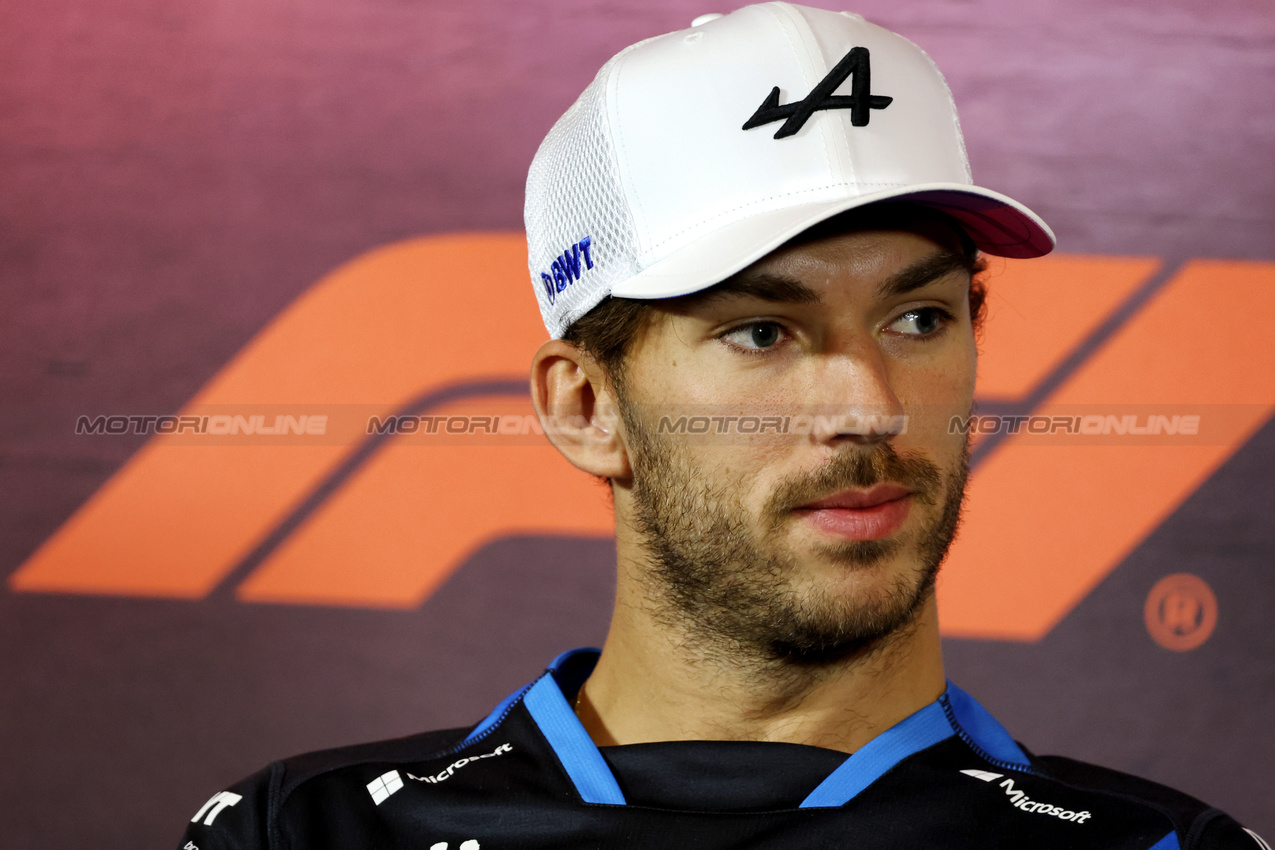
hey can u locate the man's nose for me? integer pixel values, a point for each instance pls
(856, 399)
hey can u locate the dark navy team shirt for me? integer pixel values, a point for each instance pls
(528, 776)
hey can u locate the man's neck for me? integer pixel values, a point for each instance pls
(654, 683)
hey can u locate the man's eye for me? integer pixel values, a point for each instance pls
(924, 321)
(755, 335)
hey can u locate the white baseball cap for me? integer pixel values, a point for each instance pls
(693, 154)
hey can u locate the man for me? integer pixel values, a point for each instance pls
(765, 224)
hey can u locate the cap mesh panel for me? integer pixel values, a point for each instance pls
(574, 191)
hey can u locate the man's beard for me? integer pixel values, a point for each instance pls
(730, 588)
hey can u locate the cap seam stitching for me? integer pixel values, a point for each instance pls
(799, 50)
(629, 186)
(951, 107)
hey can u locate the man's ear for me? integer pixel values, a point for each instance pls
(578, 409)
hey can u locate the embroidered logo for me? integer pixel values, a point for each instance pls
(1019, 798)
(384, 785)
(446, 774)
(566, 268)
(860, 101)
(220, 800)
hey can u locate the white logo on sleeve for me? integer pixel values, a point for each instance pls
(471, 844)
(1019, 798)
(1257, 838)
(215, 804)
(384, 785)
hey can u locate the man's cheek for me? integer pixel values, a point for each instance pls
(930, 429)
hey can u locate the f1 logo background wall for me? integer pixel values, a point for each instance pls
(194, 201)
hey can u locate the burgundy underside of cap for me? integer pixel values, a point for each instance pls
(996, 228)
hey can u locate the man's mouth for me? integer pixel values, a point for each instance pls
(860, 514)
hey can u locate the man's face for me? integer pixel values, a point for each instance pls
(814, 535)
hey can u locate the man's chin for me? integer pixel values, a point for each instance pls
(847, 628)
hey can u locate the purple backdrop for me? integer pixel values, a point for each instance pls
(175, 173)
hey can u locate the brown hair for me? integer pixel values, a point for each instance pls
(606, 332)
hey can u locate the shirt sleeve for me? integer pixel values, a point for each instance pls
(1215, 830)
(234, 819)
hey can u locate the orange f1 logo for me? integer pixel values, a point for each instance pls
(367, 517)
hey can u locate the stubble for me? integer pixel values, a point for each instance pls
(732, 588)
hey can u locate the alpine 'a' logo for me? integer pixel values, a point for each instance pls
(861, 101)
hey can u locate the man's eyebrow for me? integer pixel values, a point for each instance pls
(763, 285)
(780, 289)
(925, 271)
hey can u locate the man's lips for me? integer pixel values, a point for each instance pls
(859, 499)
(860, 514)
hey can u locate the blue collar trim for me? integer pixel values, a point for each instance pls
(954, 713)
(580, 757)
(497, 714)
(980, 730)
(920, 731)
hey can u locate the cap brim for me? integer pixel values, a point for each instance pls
(995, 223)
